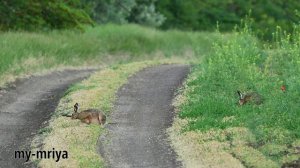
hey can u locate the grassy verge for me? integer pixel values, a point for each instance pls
(266, 135)
(78, 138)
(27, 53)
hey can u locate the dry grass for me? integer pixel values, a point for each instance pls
(194, 153)
(214, 149)
(252, 157)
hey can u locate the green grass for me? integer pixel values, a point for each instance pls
(243, 63)
(24, 52)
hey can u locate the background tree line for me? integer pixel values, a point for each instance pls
(165, 14)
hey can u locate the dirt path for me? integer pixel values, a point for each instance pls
(26, 106)
(142, 113)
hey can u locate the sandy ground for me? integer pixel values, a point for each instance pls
(26, 106)
(137, 135)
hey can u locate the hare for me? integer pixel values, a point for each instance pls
(251, 97)
(89, 116)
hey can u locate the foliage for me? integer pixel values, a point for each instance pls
(145, 13)
(166, 14)
(65, 14)
(36, 15)
(110, 11)
(126, 11)
(204, 15)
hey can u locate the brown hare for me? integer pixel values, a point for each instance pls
(89, 116)
(251, 97)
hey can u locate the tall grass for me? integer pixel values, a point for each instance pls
(96, 45)
(244, 64)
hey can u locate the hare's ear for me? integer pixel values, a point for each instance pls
(76, 107)
(240, 94)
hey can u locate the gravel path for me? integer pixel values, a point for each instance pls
(137, 136)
